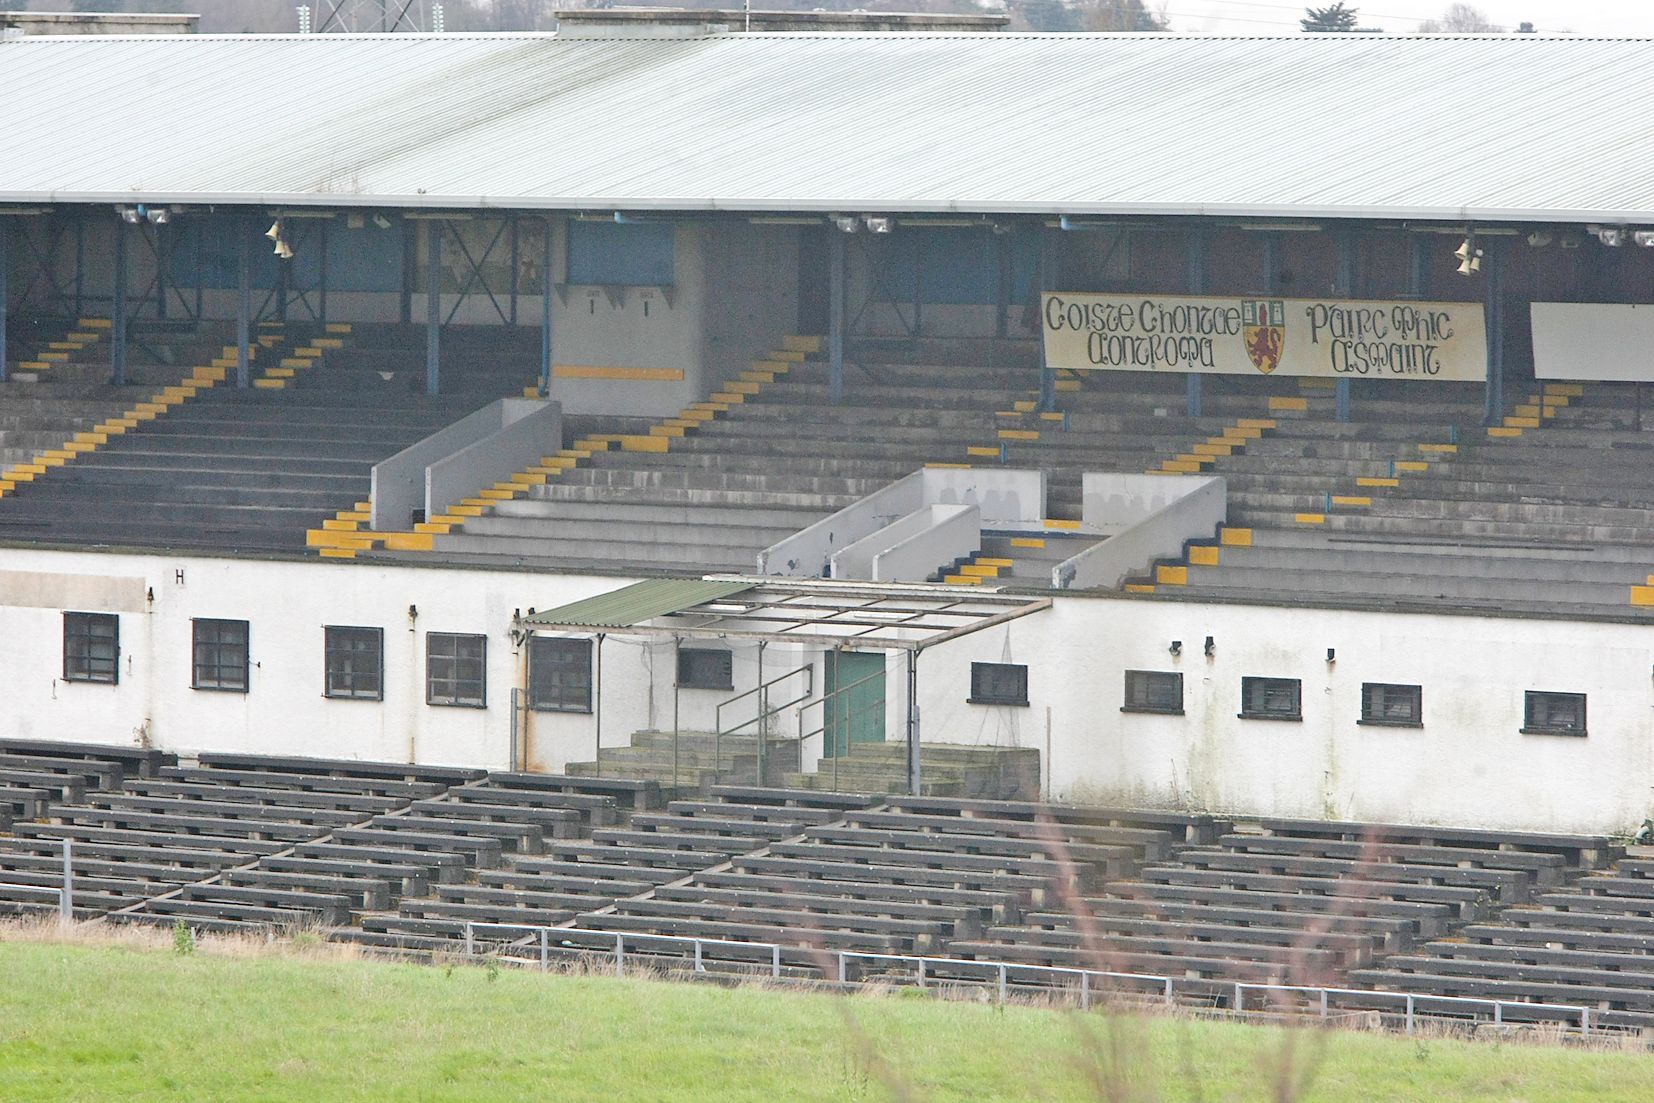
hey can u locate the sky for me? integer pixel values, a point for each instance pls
(1604, 17)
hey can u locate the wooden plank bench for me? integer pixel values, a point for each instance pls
(1543, 866)
(558, 823)
(1350, 948)
(1025, 865)
(1117, 859)
(715, 845)
(1579, 850)
(134, 761)
(165, 840)
(628, 857)
(364, 803)
(361, 893)
(181, 860)
(599, 811)
(753, 832)
(18, 783)
(1194, 827)
(339, 767)
(1470, 902)
(1631, 991)
(593, 866)
(480, 849)
(1158, 955)
(1612, 961)
(743, 932)
(409, 878)
(522, 837)
(808, 864)
(1389, 933)
(987, 904)
(1428, 920)
(1617, 941)
(957, 921)
(90, 774)
(911, 934)
(596, 887)
(459, 911)
(180, 826)
(443, 865)
(1508, 885)
(766, 813)
(643, 795)
(794, 798)
(1153, 844)
(320, 819)
(326, 907)
(269, 779)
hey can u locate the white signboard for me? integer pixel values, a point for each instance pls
(1333, 338)
(1594, 341)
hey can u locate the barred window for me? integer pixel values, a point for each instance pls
(355, 663)
(705, 668)
(1154, 691)
(999, 684)
(1271, 699)
(1395, 705)
(1548, 713)
(91, 647)
(456, 670)
(220, 655)
(559, 674)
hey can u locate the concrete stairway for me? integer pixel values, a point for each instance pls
(698, 761)
(946, 770)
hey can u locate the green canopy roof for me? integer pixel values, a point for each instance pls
(634, 604)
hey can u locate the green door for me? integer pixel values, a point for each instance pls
(855, 700)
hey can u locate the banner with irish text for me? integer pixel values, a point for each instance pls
(1331, 338)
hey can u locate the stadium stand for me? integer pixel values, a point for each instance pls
(210, 466)
(404, 858)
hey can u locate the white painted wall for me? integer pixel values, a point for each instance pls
(1469, 765)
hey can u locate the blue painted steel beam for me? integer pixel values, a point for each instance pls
(1194, 267)
(117, 336)
(243, 303)
(1493, 266)
(433, 307)
(5, 267)
(835, 316)
(1346, 287)
(1047, 282)
(545, 309)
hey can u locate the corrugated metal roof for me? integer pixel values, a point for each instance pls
(1432, 127)
(634, 604)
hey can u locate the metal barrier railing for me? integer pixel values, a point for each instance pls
(1413, 1004)
(766, 712)
(65, 894)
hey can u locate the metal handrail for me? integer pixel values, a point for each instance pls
(845, 718)
(65, 893)
(765, 712)
(1001, 971)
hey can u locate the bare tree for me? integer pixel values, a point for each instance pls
(1461, 19)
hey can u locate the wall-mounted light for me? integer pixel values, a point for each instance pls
(849, 223)
(1176, 648)
(1611, 236)
(1644, 238)
(129, 215)
(413, 613)
(1211, 646)
(1332, 655)
(159, 216)
(878, 225)
(382, 222)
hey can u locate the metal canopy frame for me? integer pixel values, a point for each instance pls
(814, 613)
(850, 617)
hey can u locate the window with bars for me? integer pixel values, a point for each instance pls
(355, 663)
(1547, 713)
(219, 659)
(1271, 699)
(705, 668)
(559, 674)
(1154, 691)
(91, 647)
(456, 670)
(1395, 705)
(999, 684)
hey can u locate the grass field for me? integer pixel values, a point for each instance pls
(137, 1022)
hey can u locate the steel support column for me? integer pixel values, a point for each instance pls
(914, 770)
(1194, 269)
(321, 276)
(80, 265)
(1416, 268)
(1002, 286)
(117, 336)
(410, 262)
(433, 306)
(1346, 288)
(5, 269)
(545, 309)
(243, 303)
(1047, 376)
(835, 316)
(1493, 266)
